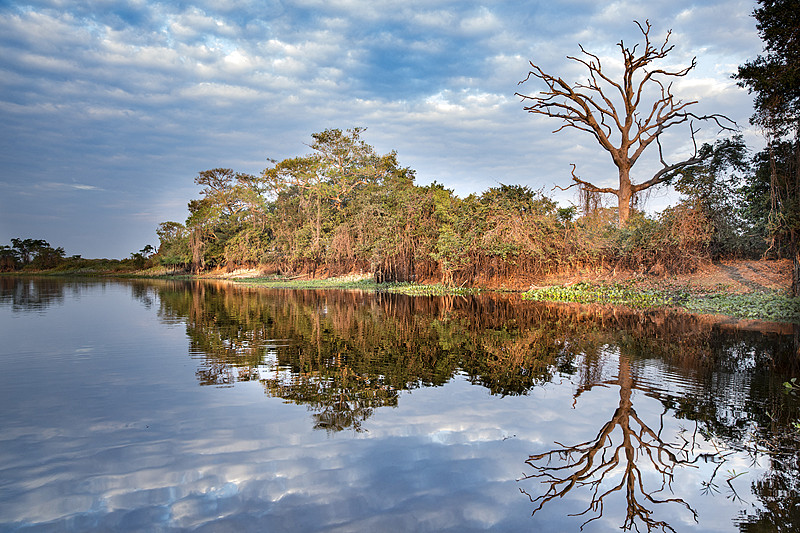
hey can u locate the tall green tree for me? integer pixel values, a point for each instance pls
(318, 186)
(229, 202)
(27, 248)
(36, 252)
(173, 248)
(713, 187)
(774, 77)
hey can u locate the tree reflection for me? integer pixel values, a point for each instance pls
(725, 381)
(344, 354)
(343, 400)
(779, 491)
(28, 294)
(612, 463)
(777, 443)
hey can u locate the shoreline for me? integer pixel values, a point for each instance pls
(743, 290)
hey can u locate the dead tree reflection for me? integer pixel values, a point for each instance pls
(617, 460)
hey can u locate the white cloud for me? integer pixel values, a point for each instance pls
(220, 93)
(175, 89)
(481, 23)
(52, 185)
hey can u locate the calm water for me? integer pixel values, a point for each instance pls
(146, 406)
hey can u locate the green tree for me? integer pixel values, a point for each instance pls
(36, 252)
(173, 250)
(48, 257)
(313, 192)
(768, 192)
(230, 200)
(8, 258)
(713, 187)
(774, 77)
(27, 249)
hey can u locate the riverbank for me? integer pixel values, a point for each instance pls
(745, 289)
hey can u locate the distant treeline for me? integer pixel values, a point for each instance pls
(344, 208)
(34, 255)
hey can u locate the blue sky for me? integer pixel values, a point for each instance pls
(110, 108)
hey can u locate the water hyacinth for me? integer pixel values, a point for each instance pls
(761, 305)
(587, 293)
(772, 305)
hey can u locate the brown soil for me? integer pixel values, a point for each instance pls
(739, 276)
(736, 276)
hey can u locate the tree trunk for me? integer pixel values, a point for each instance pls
(318, 227)
(796, 201)
(795, 267)
(196, 245)
(624, 196)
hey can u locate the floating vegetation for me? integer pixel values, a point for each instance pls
(772, 305)
(588, 293)
(365, 283)
(281, 282)
(768, 305)
(416, 289)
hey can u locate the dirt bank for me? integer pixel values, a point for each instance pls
(739, 277)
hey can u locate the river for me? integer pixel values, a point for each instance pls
(204, 406)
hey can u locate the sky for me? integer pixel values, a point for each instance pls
(110, 108)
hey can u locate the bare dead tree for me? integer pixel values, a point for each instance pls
(617, 115)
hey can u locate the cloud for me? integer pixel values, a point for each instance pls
(51, 185)
(139, 96)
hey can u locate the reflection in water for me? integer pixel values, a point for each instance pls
(31, 294)
(726, 383)
(345, 354)
(651, 399)
(610, 463)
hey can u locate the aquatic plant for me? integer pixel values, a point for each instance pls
(768, 305)
(416, 289)
(772, 305)
(365, 283)
(616, 294)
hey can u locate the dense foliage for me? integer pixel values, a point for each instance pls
(33, 253)
(774, 77)
(343, 208)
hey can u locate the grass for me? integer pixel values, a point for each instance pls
(769, 305)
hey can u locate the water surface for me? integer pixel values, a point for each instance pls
(165, 406)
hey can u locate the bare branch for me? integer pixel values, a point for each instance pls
(614, 112)
(595, 463)
(589, 186)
